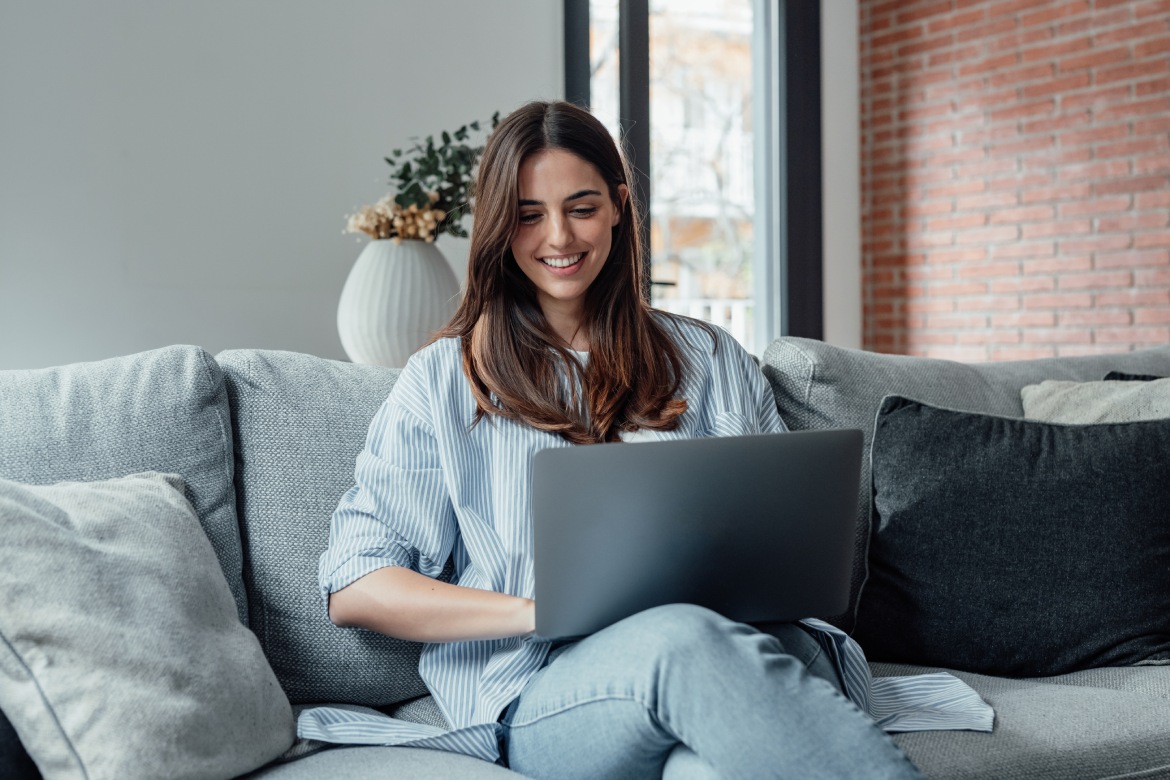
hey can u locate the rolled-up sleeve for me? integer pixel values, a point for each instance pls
(398, 513)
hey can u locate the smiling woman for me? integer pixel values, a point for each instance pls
(555, 345)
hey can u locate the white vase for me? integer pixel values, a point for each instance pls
(395, 298)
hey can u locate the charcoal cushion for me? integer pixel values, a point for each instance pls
(121, 649)
(300, 423)
(818, 385)
(1122, 376)
(1014, 547)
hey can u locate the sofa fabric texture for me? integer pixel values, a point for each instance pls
(164, 410)
(379, 763)
(300, 422)
(1016, 547)
(1099, 723)
(818, 385)
(121, 650)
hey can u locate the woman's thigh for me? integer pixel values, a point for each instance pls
(617, 704)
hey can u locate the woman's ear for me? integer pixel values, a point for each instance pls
(623, 196)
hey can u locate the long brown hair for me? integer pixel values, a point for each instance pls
(514, 361)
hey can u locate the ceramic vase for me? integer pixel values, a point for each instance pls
(395, 298)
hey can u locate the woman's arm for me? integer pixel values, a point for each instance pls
(404, 604)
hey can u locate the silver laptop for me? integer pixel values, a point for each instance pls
(757, 528)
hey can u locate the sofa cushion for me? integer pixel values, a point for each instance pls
(377, 763)
(1098, 723)
(121, 649)
(821, 386)
(1016, 547)
(300, 423)
(164, 410)
(1109, 401)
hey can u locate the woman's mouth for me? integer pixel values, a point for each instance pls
(563, 262)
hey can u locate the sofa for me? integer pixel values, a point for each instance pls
(263, 444)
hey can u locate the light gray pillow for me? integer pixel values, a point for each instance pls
(1083, 403)
(164, 410)
(121, 650)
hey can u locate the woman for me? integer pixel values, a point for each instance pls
(553, 346)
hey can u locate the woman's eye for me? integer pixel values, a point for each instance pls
(529, 218)
(584, 212)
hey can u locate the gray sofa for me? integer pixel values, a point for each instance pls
(266, 443)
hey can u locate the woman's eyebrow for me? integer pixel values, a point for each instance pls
(574, 196)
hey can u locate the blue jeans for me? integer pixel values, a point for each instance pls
(682, 692)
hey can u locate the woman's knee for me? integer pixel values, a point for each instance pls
(681, 619)
(675, 628)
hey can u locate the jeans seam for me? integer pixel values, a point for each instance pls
(591, 700)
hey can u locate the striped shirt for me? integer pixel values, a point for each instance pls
(429, 487)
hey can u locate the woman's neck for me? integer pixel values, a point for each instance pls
(569, 327)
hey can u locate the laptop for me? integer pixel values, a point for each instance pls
(757, 528)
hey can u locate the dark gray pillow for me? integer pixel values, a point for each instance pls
(1016, 547)
(819, 385)
(1121, 376)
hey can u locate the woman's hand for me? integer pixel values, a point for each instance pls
(404, 604)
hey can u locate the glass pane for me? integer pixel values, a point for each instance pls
(603, 63)
(701, 190)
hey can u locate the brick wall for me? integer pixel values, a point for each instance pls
(1015, 176)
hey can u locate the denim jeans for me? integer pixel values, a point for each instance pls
(682, 692)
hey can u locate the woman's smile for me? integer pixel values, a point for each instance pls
(564, 264)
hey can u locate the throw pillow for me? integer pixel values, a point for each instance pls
(1013, 547)
(819, 385)
(1109, 401)
(121, 649)
(1121, 376)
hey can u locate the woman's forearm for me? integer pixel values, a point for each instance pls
(404, 604)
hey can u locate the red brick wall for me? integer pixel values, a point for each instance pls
(1015, 176)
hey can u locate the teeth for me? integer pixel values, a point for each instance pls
(561, 262)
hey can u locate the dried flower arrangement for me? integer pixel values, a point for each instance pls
(433, 190)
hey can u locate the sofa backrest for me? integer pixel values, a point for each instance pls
(821, 386)
(163, 410)
(300, 422)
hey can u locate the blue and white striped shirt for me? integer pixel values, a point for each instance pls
(428, 488)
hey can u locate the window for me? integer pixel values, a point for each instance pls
(718, 105)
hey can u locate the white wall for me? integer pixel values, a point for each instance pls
(180, 172)
(841, 150)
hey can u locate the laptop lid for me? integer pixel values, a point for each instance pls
(758, 528)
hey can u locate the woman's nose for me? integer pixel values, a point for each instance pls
(559, 235)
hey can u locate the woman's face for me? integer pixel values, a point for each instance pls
(565, 229)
